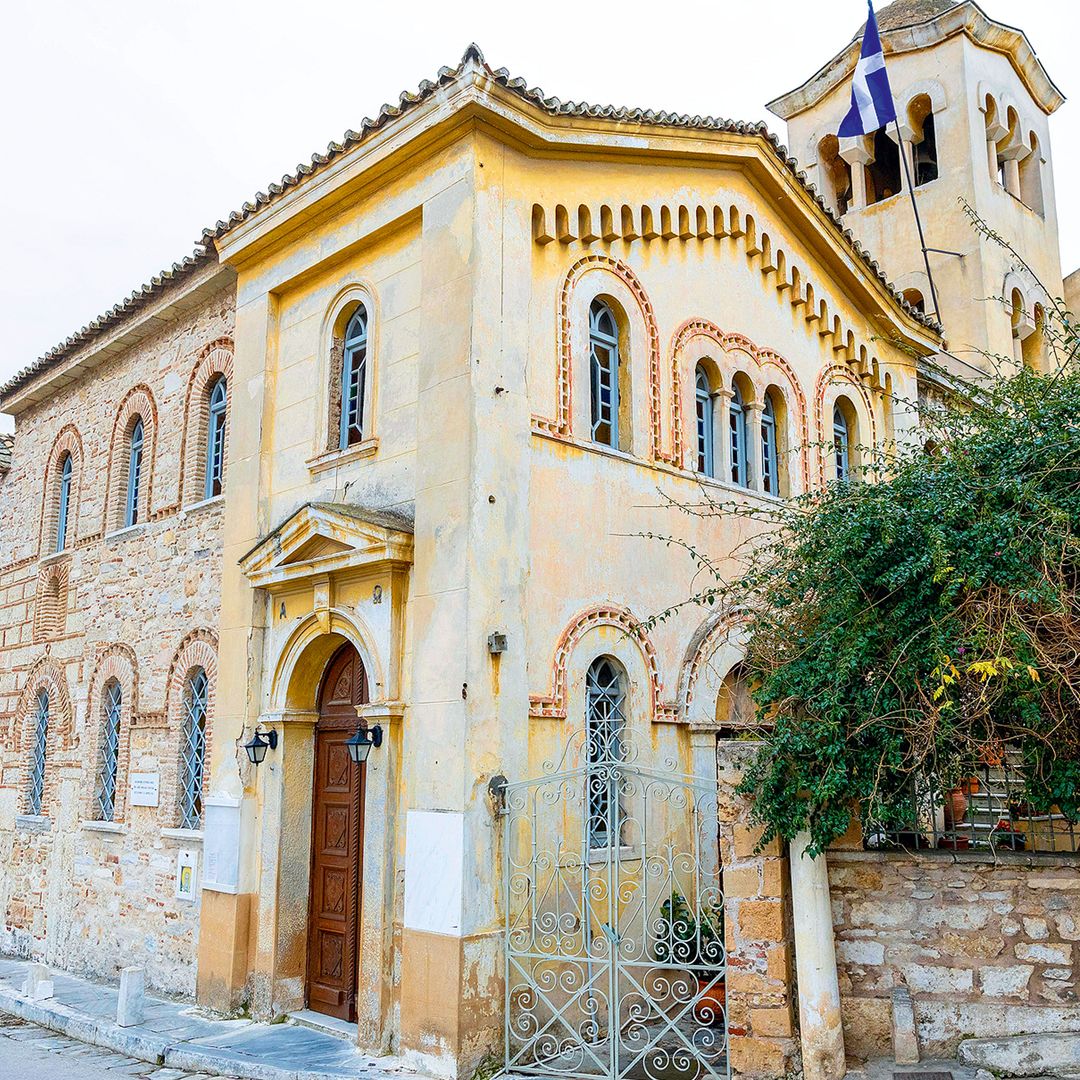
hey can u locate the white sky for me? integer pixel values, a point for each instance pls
(128, 125)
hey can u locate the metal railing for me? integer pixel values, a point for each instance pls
(987, 812)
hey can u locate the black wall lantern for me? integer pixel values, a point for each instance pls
(261, 741)
(363, 740)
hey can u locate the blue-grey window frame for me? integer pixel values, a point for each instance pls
(737, 438)
(841, 444)
(36, 787)
(354, 379)
(109, 754)
(705, 412)
(770, 457)
(135, 464)
(605, 725)
(66, 470)
(604, 363)
(196, 703)
(215, 438)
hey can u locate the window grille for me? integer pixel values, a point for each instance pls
(353, 374)
(193, 749)
(988, 811)
(65, 499)
(705, 406)
(37, 755)
(605, 704)
(841, 444)
(105, 791)
(770, 475)
(135, 461)
(215, 439)
(737, 429)
(604, 373)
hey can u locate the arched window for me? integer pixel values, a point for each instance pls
(215, 438)
(135, 462)
(737, 438)
(841, 443)
(1031, 193)
(705, 411)
(65, 502)
(604, 373)
(835, 174)
(883, 173)
(353, 379)
(916, 300)
(193, 748)
(605, 719)
(770, 457)
(108, 758)
(37, 755)
(1033, 347)
(924, 150)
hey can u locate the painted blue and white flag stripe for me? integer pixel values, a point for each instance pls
(871, 99)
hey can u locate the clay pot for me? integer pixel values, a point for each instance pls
(956, 805)
(709, 1006)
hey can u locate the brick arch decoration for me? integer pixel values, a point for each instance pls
(51, 600)
(214, 360)
(119, 662)
(138, 403)
(832, 376)
(561, 426)
(198, 649)
(49, 676)
(67, 441)
(765, 358)
(552, 706)
(708, 638)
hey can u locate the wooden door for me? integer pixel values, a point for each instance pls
(336, 843)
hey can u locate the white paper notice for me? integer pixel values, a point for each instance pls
(221, 844)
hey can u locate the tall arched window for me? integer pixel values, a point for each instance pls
(108, 758)
(883, 173)
(770, 458)
(215, 439)
(703, 396)
(737, 434)
(193, 748)
(65, 502)
(841, 444)
(605, 719)
(604, 373)
(135, 462)
(353, 379)
(37, 755)
(921, 112)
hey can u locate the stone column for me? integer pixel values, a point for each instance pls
(820, 1022)
(905, 144)
(856, 154)
(722, 435)
(753, 444)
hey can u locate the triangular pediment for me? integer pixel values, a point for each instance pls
(326, 538)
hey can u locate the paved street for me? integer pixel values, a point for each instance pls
(28, 1052)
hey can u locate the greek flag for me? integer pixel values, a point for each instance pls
(871, 99)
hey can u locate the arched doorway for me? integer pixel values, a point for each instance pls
(337, 805)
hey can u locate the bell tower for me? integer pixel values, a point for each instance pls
(973, 104)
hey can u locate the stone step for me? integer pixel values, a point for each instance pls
(1056, 1054)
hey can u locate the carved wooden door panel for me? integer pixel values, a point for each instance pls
(337, 843)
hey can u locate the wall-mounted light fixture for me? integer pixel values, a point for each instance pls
(260, 742)
(359, 746)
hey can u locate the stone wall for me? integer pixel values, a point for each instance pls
(985, 948)
(140, 605)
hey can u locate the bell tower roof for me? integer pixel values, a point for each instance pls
(912, 25)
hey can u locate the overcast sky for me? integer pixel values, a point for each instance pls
(129, 125)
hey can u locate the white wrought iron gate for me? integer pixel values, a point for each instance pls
(615, 958)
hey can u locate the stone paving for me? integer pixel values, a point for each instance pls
(183, 1038)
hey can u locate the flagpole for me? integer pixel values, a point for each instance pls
(918, 220)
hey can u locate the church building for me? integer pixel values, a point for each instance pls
(326, 543)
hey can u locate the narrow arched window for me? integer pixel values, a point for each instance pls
(215, 439)
(193, 748)
(37, 755)
(65, 502)
(770, 470)
(109, 756)
(605, 719)
(353, 378)
(706, 458)
(604, 373)
(737, 434)
(841, 444)
(135, 463)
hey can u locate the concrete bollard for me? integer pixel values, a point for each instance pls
(129, 1005)
(39, 984)
(905, 1035)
